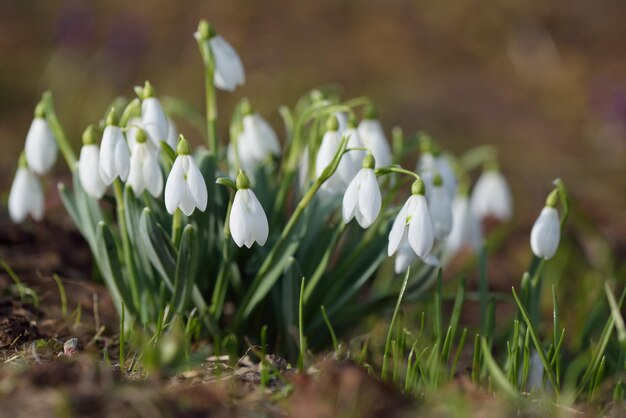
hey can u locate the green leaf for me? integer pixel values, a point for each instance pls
(158, 247)
(185, 269)
(498, 376)
(111, 268)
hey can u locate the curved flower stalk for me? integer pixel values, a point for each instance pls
(114, 155)
(413, 224)
(153, 118)
(145, 172)
(88, 163)
(228, 72)
(362, 198)
(440, 208)
(185, 188)
(373, 136)
(26, 195)
(256, 143)
(325, 155)
(41, 147)
(492, 196)
(546, 232)
(248, 222)
(466, 228)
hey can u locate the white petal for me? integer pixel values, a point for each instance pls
(263, 133)
(238, 222)
(107, 154)
(370, 199)
(175, 186)
(373, 137)
(122, 158)
(404, 258)
(446, 171)
(492, 197)
(229, 72)
(87, 171)
(327, 151)
(350, 199)
(546, 233)
(131, 131)
(197, 185)
(19, 196)
(398, 229)
(420, 235)
(260, 227)
(172, 133)
(41, 147)
(154, 120)
(188, 203)
(152, 176)
(136, 173)
(36, 198)
(440, 212)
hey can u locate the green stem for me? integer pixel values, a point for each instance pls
(394, 169)
(126, 246)
(177, 227)
(59, 134)
(391, 325)
(211, 109)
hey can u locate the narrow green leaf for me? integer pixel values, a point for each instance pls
(496, 373)
(391, 325)
(185, 269)
(111, 268)
(158, 247)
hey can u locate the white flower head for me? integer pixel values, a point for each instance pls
(351, 162)
(114, 154)
(466, 228)
(546, 232)
(256, 143)
(26, 195)
(145, 172)
(248, 222)
(185, 187)
(431, 161)
(492, 196)
(153, 118)
(41, 147)
(88, 163)
(373, 137)
(440, 208)
(362, 198)
(229, 72)
(331, 141)
(413, 224)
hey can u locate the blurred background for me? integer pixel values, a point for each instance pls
(543, 81)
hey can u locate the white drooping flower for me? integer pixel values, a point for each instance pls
(351, 162)
(546, 232)
(362, 198)
(466, 228)
(153, 118)
(88, 163)
(256, 143)
(440, 208)
(413, 224)
(185, 187)
(331, 141)
(114, 155)
(492, 196)
(229, 72)
(132, 127)
(373, 137)
(428, 165)
(145, 172)
(26, 195)
(41, 146)
(248, 222)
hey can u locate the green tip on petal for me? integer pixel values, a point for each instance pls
(369, 161)
(112, 119)
(243, 182)
(141, 136)
(148, 90)
(22, 161)
(418, 187)
(371, 112)
(246, 107)
(40, 110)
(183, 147)
(553, 198)
(90, 136)
(351, 121)
(437, 180)
(332, 124)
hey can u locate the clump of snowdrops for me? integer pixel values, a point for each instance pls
(280, 232)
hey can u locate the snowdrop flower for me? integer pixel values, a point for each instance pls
(546, 232)
(413, 224)
(430, 163)
(41, 147)
(466, 228)
(248, 222)
(362, 198)
(26, 196)
(88, 163)
(185, 187)
(145, 172)
(440, 208)
(256, 143)
(114, 155)
(228, 73)
(153, 118)
(350, 163)
(373, 137)
(492, 196)
(331, 141)
(132, 127)
(404, 258)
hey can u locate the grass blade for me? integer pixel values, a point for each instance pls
(391, 325)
